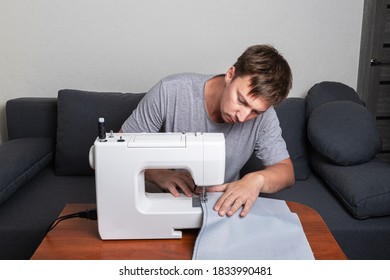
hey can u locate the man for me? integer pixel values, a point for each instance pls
(238, 104)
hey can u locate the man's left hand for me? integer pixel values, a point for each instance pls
(242, 193)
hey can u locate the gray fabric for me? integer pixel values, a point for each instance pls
(363, 189)
(21, 160)
(78, 113)
(176, 104)
(291, 114)
(270, 231)
(325, 92)
(344, 132)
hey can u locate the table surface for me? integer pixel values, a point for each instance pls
(78, 239)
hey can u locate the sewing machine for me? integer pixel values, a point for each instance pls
(125, 210)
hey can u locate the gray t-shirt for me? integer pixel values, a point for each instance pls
(176, 104)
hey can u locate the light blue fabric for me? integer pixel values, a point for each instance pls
(270, 231)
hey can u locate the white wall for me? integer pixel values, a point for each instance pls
(128, 45)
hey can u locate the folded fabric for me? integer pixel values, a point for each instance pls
(270, 231)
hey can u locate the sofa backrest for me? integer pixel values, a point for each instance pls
(292, 117)
(31, 117)
(78, 114)
(72, 119)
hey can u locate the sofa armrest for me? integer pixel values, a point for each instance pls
(21, 160)
(31, 117)
(363, 189)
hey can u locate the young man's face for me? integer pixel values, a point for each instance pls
(237, 105)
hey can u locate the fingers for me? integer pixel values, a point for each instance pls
(234, 199)
(246, 208)
(172, 189)
(227, 206)
(178, 180)
(186, 183)
(230, 206)
(236, 205)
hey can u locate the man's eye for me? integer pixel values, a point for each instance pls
(242, 102)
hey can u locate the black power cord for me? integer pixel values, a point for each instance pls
(89, 214)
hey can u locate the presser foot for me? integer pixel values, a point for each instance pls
(198, 200)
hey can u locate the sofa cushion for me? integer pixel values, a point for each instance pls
(363, 189)
(78, 114)
(21, 160)
(291, 114)
(344, 132)
(325, 92)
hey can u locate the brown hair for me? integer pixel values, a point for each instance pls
(270, 73)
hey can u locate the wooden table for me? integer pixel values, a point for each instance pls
(78, 239)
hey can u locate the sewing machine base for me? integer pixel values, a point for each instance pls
(152, 223)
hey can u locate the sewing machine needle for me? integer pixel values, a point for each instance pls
(204, 195)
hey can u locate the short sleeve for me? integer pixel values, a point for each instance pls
(270, 146)
(149, 114)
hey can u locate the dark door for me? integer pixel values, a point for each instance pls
(374, 67)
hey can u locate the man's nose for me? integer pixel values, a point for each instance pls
(243, 114)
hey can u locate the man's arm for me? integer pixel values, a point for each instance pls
(245, 191)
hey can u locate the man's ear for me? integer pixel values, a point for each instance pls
(230, 74)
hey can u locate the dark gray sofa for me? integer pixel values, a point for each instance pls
(44, 165)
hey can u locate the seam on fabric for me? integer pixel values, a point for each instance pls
(202, 229)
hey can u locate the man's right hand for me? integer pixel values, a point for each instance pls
(171, 180)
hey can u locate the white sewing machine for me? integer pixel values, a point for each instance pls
(125, 210)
